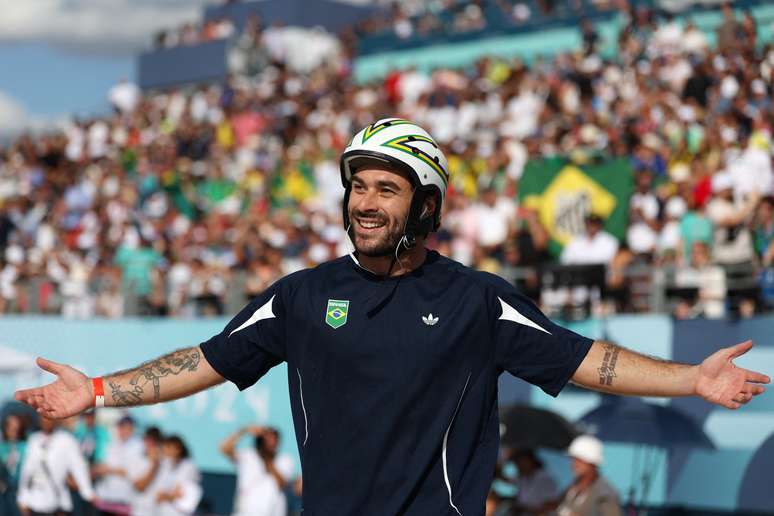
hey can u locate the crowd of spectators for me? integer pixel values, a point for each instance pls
(189, 202)
(194, 33)
(416, 19)
(89, 465)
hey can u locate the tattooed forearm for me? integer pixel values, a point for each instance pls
(609, 360)
(124, 398)
(136, 390)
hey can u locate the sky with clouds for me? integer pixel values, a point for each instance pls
(59, 57)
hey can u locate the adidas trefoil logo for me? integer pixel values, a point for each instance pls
(429, 319)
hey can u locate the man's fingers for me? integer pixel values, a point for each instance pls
(754, 377)
(27, 395)
(48, 365)
(740, 349)
(743, 397)
(733, 405)
(753, 388)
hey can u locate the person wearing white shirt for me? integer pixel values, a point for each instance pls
(147, 475)
(179, 486)
(52, 455)
(114, 484)
(596, 246)
(125, 96)
(643, 208)
(262, 474)
(495, 215)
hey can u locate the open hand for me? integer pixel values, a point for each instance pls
(721, 382)
(69, 395)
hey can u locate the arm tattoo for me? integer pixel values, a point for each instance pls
(151, 373)
(607, 369)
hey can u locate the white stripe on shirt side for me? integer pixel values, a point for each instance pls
(445, 440)
(513, 315)
(303, 408)
(262, 313)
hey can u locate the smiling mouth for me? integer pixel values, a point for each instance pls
(370, 224)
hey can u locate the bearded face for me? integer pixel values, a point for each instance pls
(379, 204)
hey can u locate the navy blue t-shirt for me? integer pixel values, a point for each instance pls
(393, 381)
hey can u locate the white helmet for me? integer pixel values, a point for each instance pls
(405, 146)
(586, 448)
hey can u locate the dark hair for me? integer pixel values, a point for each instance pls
(154, 434)
(530, 455)
(259, 439)
(177, 441)
(23, 424)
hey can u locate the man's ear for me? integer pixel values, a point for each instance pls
(429, 206)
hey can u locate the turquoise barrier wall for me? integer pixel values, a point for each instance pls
(99, 347)
(721, 479)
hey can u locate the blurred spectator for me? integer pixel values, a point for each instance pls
(52, 456)
(179, 490)
(669, 235)
(262, 473)
(730, 32)
(124, 97)
(590, 37)
(114, 484)
(732, 240)
(763, 228)
(642, 235)
(537, 490)
(137, 263)
(148, 474)
(695, 226)
(708, 280)
(693, 41)
(93, 437)
(12, 450)
(595, 246)
(589, 494)
(494, 216)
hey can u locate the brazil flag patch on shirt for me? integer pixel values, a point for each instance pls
(336, 313)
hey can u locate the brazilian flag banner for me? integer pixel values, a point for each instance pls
(563, 193)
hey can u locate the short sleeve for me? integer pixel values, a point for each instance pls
(530, 346)
(252, 342)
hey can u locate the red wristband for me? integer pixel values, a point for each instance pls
(99, 392)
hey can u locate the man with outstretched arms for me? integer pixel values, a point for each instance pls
(394, 351)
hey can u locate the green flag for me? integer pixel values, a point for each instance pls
(564, 193)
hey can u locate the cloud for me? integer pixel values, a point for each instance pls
(13, 116)
(15, 119)
(109, 27)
